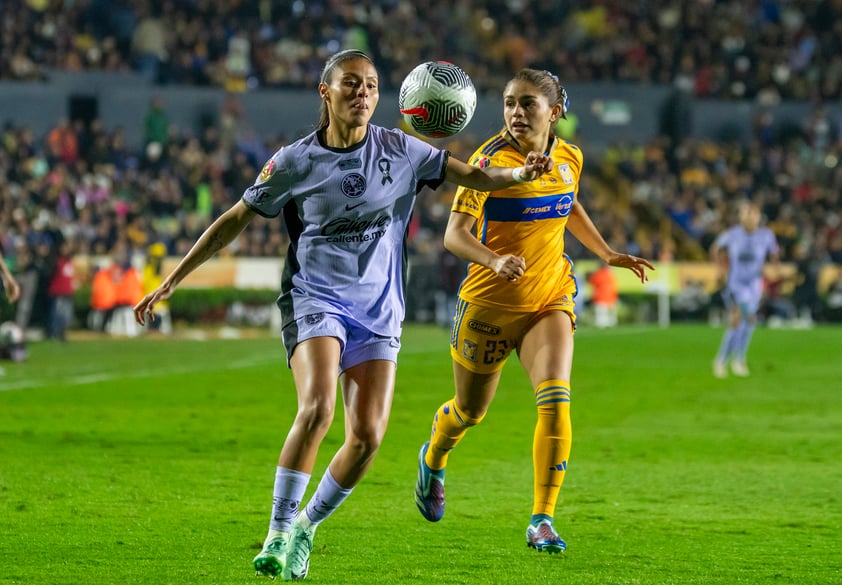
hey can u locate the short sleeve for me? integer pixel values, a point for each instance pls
(429, 162)
(272, 188)
(722, 239)
(468, 200)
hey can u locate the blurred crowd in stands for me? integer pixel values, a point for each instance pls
(80, 189)
(732, 49)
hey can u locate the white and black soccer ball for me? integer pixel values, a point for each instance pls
(437, 99)
(12, 342)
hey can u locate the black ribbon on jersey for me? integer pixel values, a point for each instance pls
(385, 168)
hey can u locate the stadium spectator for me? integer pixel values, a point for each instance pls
(156, 126)
(62, 285)
(103, 297)
(152, 279)
(342, 302)
(809, 263)
(518, 295)
(127, 293)
(62, 143)
(151, 41)
(604, 296)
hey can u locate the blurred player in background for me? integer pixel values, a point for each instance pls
(518, 295)
(741, 251)
(346, 193)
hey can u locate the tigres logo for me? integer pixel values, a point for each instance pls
(469, 350)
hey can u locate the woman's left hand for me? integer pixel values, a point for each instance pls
(633, 263)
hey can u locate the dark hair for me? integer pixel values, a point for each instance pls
(330, 65)
(549, 86)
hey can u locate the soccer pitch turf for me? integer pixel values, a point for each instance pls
(152, 461)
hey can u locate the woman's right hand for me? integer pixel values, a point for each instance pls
(509, 267)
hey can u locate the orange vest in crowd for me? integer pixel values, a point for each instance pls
(129, 289)
(103, 290)
(605, 290)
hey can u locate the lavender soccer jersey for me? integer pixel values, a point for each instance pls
(747, 253)
(347, 212)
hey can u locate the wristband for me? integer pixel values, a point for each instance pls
(517, 175)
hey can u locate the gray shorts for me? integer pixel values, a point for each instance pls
(358, 344)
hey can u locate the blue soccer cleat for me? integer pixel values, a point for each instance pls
(429, 489)
(544, 538)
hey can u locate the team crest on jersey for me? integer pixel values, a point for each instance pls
(469, 350)
(314, 318)
(266, 172)
(566, 173)
(353, 185)
(482, 162)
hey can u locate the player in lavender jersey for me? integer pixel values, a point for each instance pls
(745, 248)
(346, 193)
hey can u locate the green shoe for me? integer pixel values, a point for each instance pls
(270, 561)
(299, 547)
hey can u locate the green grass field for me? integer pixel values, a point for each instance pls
(151, 461)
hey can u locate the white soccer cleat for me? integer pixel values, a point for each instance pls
(739, 368)
(299, 547)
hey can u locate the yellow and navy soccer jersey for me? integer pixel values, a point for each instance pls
(527, 219)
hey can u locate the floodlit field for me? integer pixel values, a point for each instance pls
(151, 461)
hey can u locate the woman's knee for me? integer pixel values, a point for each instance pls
(315, 415)
(473, 413)
(366, 438)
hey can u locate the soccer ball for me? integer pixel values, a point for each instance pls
(12, 342)
(437, 99)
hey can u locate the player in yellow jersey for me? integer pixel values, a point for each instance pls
(518, 295)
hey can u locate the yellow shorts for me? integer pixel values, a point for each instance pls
(483, 337)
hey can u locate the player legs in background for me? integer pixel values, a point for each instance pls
(742, 317)
(748, 319)
(729, 338)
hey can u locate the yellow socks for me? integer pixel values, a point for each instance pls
(551, 444)
(449, 426)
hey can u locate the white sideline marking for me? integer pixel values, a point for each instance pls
(85, 379)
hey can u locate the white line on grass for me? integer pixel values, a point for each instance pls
(84, 380)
